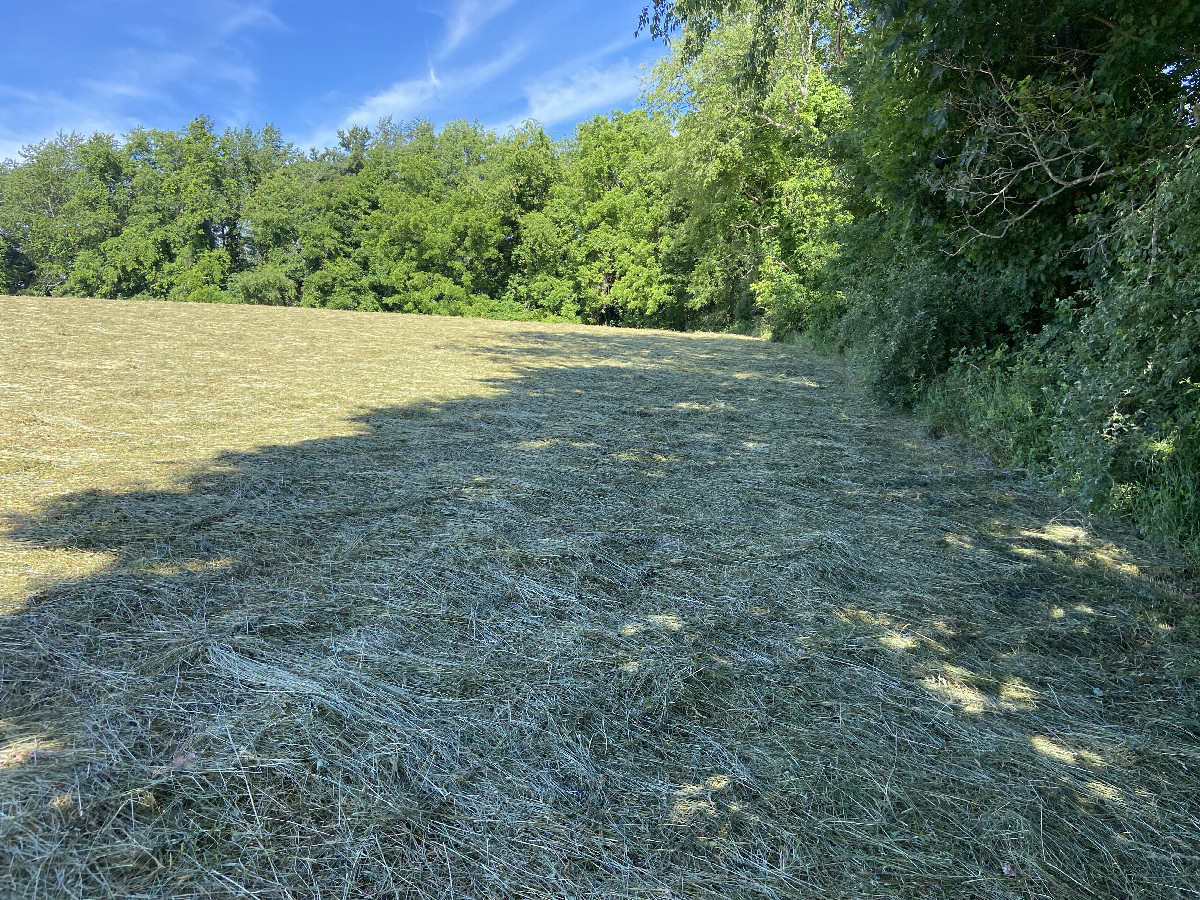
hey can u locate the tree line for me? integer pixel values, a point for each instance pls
(992, 208)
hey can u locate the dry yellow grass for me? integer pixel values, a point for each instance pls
(313, 604)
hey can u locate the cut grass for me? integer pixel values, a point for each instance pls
(312, 604)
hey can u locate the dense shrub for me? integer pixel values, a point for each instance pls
(265, 284)
(908, 313)
(1107, 399)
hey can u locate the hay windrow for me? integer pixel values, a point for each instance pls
(307, 604)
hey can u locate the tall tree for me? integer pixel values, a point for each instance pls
(756, 188)
(67, 196)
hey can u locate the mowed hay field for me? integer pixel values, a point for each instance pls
(299, 603)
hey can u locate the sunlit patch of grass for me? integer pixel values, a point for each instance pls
(894, 640)
(684, 811)
(1106, 792)
(667, 623)
(693, 801)
(974, 694)
(65, 803)
(1015, 693)
(1073, 545)
(892, 634)
(1059, 751)
(18, 752)
(712, 783)
(970, 700)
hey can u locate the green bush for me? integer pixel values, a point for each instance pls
(1107, 397)
(1128, 429)
(265, 285)
(206, 293)
(909, 313)
(1001, 400)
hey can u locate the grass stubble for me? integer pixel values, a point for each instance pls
(297, 603)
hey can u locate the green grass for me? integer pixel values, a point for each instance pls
(299, 603)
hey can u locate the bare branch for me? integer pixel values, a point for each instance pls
(1024, 151)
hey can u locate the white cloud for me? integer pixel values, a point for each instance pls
(406, 99)
(199, 47)
(204, 44)
(567, 98)
(42, 114)
(399, 101)
(467, 18)
(129, 89)
(236, 16)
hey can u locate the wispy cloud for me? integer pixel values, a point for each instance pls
(119, 88)
(569, 97)
(236, 16)
(24, 106)
(161, 64)
(406, 99)
(400, 101)
(467, 18)
(198, 51)
(208, 45)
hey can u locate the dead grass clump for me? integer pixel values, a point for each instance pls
(306, 604)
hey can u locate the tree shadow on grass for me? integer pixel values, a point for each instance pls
(657, 617)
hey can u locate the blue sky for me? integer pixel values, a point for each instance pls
(313, 67)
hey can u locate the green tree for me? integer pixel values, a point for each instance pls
(610, 215)
(64, 200)
(184, 234)
(754, 183)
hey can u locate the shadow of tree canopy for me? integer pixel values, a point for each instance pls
(682, 623)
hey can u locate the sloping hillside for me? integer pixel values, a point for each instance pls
(299, 603)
